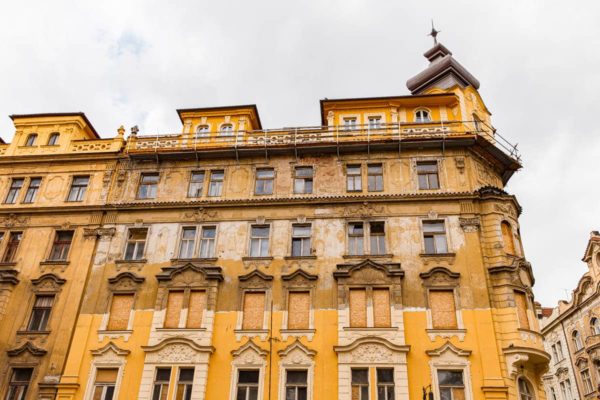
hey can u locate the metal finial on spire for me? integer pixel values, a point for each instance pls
(433, 33)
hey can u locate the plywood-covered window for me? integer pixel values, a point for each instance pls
(196, 307)
(381, 308)
(443, 309)
(299, 310)
(254, 310)
(521, 304)
(120, 310)
(174, 307)
(104, 386)
(358, 308)
(507, 238)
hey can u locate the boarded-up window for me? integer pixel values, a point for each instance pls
(174, 306)
(381, 308)
(254, 310)
(358, 308)
(507, 238)
(521, 303)
(120, 309)
(298, 310)
(104, 387)
(443, 309)
(196, 309)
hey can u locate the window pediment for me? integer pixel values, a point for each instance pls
(250, 354)
(110, 350)
(177, 350)
(448, 350)
(369, 271)
(440, 276)
(27, 347)
(190, 275)
(297, 353)
(48, 283)
(299, 278)
(125, 281)
(255, 279)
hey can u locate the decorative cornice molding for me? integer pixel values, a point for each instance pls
(390, 269)
(29, 347)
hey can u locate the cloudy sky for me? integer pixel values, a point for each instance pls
(135, 62)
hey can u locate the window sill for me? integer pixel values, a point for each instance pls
(292, 331)
(54, 262)
(365, 256)
(249, 258)
(249, 333)
(8, 264)
(180, 329)
(191, 260)
(370, 329)
(443, 255)
(115, 332)
(446, 333)
(300, 257)
(73, 201)
(41, 333)
(141, 261)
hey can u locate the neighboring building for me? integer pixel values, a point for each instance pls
(572, 335)
(373, 257)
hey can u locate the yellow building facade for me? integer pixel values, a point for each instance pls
(375, 256)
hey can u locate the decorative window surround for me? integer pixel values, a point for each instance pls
(254, 281)
(450, 357)
(123, 283)
(108, 356)
(299, 280)
(296, 356)
(248, 356)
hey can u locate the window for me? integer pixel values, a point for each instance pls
(555, 353)
(61, 245)
(349, 124)
(296, 386)
(193, 301)
(215, 187)
(525, 390)
(374, 123)
(254, 310)
(34, 186)
(264, 181)
(174, 306)
(259, 240)
(353, 178)
(521, 304)
(148, 186)
(301, 238)
(104, 387)
(443, 309)
(19, 383)
(196, 184)
(207, 242)
(385, 384)
(12, 246)
(360, 384)
(375, 177)
(303, 180)
(196, 308)
(201, 131)
(53, 139)
(381, 308)
(507, 238)
(120, 310)
(31, 139)
(422, 116)
(427, 172)
(40, 313)
(188, 242)
(377, 238)
(553, 393)
(559, 350)
(298, 310)
(594, 326)
(587, 380)
(576, 337)
(136, 242)
(434, 235)
(13, 192)
(226, 130)
(451, 385)
(566, 394)
(185, 383)
(247, 386)
(78, 188)
(356, 233)
(161, 383)
(358, 308)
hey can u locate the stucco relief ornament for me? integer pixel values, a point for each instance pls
(470, 224)
(363, 210)
(371, 353)
(201, 214)
(13, 220)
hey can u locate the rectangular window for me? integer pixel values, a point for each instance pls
(196, 184)
(19, 383)
(174, 307)
(13, 192)
(358, 308)
(61, 245)
(188, 242)
(264, 181)
(298, 310)
(207, 241)
(296, 385)
(254, 310)
(12, 246)
(385, 384)
(148, 186)
(434, 235)
(160, 388)
(374, 123)
(381, 308)
(555, 353)
(427, 173)
(104, 386)
(356, 234)
(303, 180)
(259, 240)
(301, 235)
(31, 193)
(354, 178)
(360, 384)
(78, 188)
(559, 349)
(377, 237)
(443, 309)
(247, 384)
(350, 124)
(136, 243)
(120, 310)
(521, 304)
(451, 384)
(375, 177)
(185, 383)
(215, 186)
(587, 381)
(196, 309)
(40, 313)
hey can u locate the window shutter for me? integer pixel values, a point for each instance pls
(196, 309)
(298, 310)
(381, 308)
(174, 306)
(358, 308)
(521, 303)
(443, 309)
(254, 310)
(120, 309)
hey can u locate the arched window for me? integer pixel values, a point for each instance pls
(31, 139)
(507, 238)
(226, 130)
(53, 139)
(525, 390)
(422, 116)
(595, 326)
(202, 131)
(576, 337)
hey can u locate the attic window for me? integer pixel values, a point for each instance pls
(226, 130)
(31, 139)
(53, 139)
(422, 116)
(202, 131)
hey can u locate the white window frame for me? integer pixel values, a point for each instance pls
(199, 240)
(126, 242)
(419, 120)
(449, 247)
(367, 237)
(464, 366)
(196, 244)
(269, 239)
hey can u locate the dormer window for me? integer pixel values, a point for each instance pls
(226, 130)
(422, 116)
(349, 124)
(202, 131)
(31, 139)
(53, 139)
